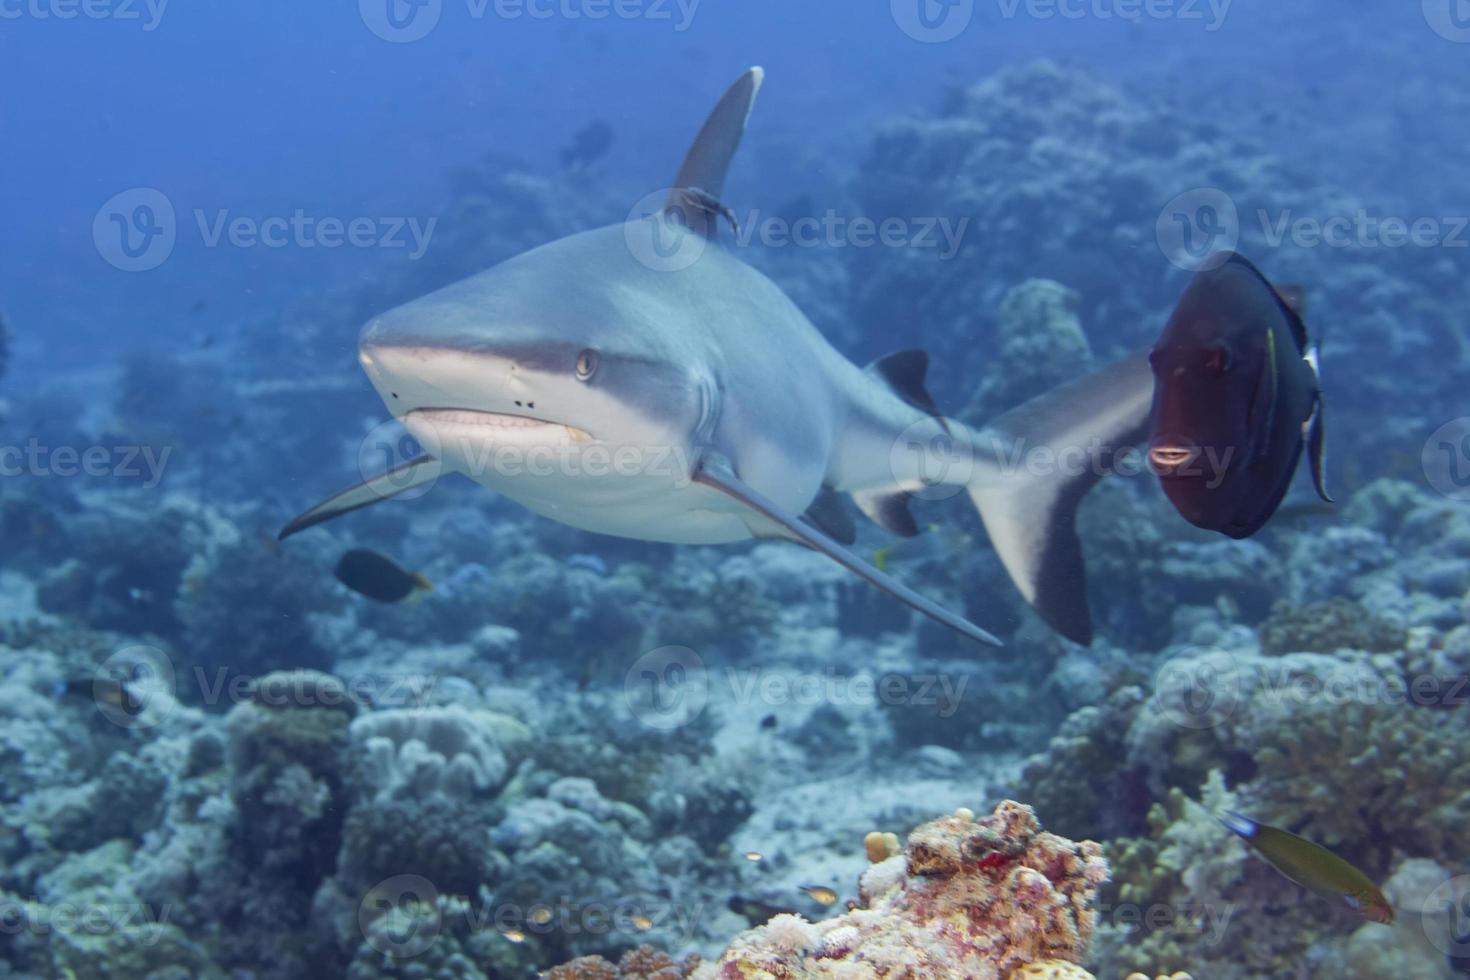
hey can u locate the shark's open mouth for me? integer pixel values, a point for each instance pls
(494, 423)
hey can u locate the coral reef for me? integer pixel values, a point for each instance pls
(1040, 345)
(974, 898)
(1325, 627)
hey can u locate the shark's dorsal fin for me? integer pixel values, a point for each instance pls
(700, 183)
(905, 372)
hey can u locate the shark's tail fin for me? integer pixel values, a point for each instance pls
(1040, 460)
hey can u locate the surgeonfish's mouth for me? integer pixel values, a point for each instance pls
(1168, 460)
(495, 423)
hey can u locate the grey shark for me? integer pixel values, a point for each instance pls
(639, 380)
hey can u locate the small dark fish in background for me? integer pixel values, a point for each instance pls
(588, 145)
(756, 912)
(105, 691)
(1313, 867)
(1237, 399)
(377, 577)
(768, 722)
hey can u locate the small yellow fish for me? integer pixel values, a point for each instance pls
(642, 923)
(754, 856)
(540, 916)
(514, 935)
(820, 894)
(1313, 867)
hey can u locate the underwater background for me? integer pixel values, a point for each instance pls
(585, 756)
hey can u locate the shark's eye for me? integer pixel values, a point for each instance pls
(586, 364)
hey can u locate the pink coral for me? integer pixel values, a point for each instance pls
(968, 898)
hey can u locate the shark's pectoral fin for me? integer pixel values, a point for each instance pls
(770, 520)
(698, 188)
(829, 514)
(400, 479)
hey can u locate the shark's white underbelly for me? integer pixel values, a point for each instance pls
(626, 491)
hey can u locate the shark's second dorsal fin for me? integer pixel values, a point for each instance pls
(701, 180)
(905, 372)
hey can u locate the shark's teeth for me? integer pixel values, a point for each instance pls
(451, 416)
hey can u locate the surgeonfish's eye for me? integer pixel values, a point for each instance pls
(1217, 361)
(586, 364)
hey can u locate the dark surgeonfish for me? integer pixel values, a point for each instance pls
(377, 577)
(1237, 397)
(1313, 867)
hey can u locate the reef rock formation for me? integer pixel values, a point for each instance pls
(980, 898)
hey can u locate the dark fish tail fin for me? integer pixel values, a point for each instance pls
(1028, 500)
